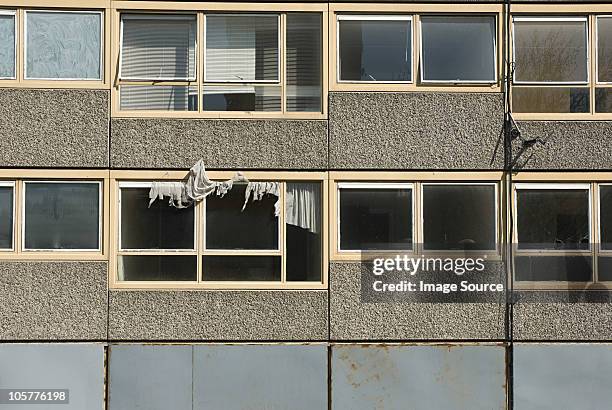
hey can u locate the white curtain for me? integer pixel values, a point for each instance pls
(303, 205)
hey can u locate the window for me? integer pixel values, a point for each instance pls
(469, 224)
(245, 67)
(8, 44)
(62, 215)
(603, 92)
(64, 45)
(553, 232)
(375, 217)
(7, 215)
(223, 241)
(375, 48)
(458, 49)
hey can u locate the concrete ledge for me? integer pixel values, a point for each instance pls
(177, 143)
(54, 128)
(414, 130)
(53, 300)
(218, 315)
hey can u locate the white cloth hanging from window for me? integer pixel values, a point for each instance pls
(302, 205)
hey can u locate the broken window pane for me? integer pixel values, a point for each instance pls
(62, 215)
(303, 231)
(553, 218)
(376, 218)
(230, 227)
(6, 217)
(241, 268)
(157, 268)
(459, 217)
(159, 226)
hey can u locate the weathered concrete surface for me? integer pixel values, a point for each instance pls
(442, 131)
(179, 143)
(218, 315)
(53, 300)
(54, 128)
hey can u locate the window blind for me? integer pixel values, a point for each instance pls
(158, 47)
(242, 48)
(158, 97)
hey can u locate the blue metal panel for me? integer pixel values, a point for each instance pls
(418, 377)
(562, 376)
(270, 377)
(150, 377)
(78, 368)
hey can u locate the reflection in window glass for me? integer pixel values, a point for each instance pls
(553, 268)
(376, 218)
(603, 100)
(551, 51)
(6, 217)
(62, 215)
(550, 99)
(241, 268)
(375, 50)
(157, 268)
(303, 231)
(458, 48)
(63, 45)
(605, 216)
(604, 49)
(242, 98)
(230, 227)
(159, 226)
(7, 45)
(553, 218)
(467, 224)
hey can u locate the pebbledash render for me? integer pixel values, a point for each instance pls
(192, 195)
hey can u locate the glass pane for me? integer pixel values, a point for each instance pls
(241, 268)
(604, 49)
(373, 50)
(553, 218)
(158, 97)
(550, 51)
(458, 48)
(554, 268)
(604, 269)
(550, 99)
(63, 45)
(303, 236)
(157, 268)
(241, 48)
(7, 46)
(62, 215)
(459, 217)
(304, 64)
(159, 226)
(605, 216)
(158, 47)
(6, 217)
(376, 219)
(603, 100)
(229, 227)
(242, 98)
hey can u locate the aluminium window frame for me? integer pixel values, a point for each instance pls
(11, 184)
(66, 181)
(12, 12)
(100, 13)
(495, 18)
(156, 16)
(374, 17)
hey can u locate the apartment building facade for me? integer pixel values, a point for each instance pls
(329, 133)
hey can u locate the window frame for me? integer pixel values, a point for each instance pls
(11, 184)
(12, 12)
(455, 82)
(374, 17)
(120, 178)
(54, 181)
(56, 11)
